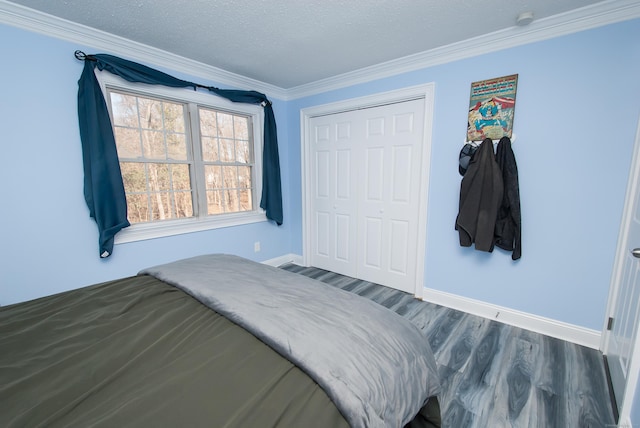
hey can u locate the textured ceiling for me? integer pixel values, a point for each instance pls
(288, 43)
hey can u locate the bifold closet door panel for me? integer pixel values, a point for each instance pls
(365, 184)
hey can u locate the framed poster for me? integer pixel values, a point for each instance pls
(491, 106)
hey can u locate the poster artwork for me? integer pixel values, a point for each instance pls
(491, 106)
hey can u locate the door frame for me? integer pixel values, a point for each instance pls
(425, 92)
(633, 187)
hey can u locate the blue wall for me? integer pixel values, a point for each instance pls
(575, 120)
(576, 115)
(49, 243)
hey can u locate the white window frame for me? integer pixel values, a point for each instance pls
(159, 229)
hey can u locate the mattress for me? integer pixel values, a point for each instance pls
(140, 352)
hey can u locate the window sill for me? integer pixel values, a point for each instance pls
(141, 232)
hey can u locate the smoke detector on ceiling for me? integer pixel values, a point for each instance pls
(525, 18)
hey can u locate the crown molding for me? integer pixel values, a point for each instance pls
(588, 17)
(585, 18)
(49, 25)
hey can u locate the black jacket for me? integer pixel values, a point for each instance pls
(481, 193)
(508, 224)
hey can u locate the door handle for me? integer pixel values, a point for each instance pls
(636, 253)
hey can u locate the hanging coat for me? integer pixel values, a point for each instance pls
(480, 197)
(508, 223)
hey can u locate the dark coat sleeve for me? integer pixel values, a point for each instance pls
(480, 197)
(508, 224)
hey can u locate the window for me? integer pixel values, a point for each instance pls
(227, 159)
(189, 160)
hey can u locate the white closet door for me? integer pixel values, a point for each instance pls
(365, 204)
(388, 198)
(334, 223)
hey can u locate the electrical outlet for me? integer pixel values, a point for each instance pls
(256, 247)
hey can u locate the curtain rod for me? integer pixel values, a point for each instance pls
(84, 57)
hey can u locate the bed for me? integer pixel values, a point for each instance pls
(215, 341)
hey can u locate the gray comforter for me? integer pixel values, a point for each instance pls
(375, 365)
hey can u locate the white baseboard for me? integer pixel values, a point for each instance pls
(287, 258)
(558, 329)
(547, 326)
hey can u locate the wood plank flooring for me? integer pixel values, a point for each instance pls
(494, 375)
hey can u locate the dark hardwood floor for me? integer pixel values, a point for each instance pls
(495, 375)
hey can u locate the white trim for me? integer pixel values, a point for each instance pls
(625, 422)
(549, 327)
(161, 229)
(395, 96)
(425, 174)
(633, 375)
(426, 92)
(287, 258)
(585, 18)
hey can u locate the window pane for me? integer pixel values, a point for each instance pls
(180, 177)
(210, 149)
(225, 125)
(124, 109)
(213, 177)
(138, 208)
(133, 177)
(227, 150)
(128, 142)
(153, 145)
(214, 202)
(242, 151)
(231, 201)
(241, 128)
(173, 117)
(177, 146)
(246, 203)
(159, 177)
(160, 206)
(166, 205)
(230, 177)
(150, 113)
(244, 177)
(184, 204)
(208, 125)
(225, 139)
(158, 126)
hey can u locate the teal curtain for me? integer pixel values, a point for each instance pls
(103, 188)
